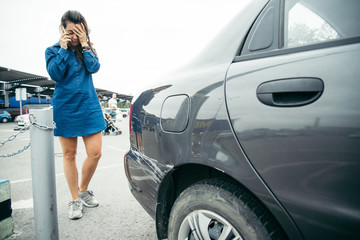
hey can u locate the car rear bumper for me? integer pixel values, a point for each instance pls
(145, 176)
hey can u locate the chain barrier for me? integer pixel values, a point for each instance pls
(32, 123)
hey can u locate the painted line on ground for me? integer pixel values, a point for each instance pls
(62, 174)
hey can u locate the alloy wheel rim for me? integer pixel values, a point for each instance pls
(207, 225)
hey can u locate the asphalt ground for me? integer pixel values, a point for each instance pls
(119, 215)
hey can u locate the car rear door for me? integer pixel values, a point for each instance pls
(293, 99)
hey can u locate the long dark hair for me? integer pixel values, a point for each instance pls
(76, 17)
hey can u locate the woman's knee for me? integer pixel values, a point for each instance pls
(93, 145)
(69, 146)
(98, 154)
(69, 156)
(95, 154)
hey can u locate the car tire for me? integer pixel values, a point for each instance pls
(216, 208)
(4, 120)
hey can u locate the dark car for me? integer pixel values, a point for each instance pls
(258, 137)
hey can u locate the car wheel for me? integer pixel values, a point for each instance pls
(4, 120)
(216, 209)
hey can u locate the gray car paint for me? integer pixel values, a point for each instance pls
(301, 162)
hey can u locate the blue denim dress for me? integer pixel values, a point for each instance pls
(76, 108)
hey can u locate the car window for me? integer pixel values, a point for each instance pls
(306, 27)
(288, 24)
(310, 22)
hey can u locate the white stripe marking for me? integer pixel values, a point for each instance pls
(62, 174)
(23, 204)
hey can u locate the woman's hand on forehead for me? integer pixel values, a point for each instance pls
(80, 31)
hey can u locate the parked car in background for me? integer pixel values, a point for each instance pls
(13, 111)
(258, 137)
(5, 116)
(124, 112)
(22, 120)
(120, 112)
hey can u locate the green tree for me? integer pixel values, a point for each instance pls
(302, 34)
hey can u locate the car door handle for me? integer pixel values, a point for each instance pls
(291, 92)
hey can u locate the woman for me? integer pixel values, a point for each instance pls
(77, 112)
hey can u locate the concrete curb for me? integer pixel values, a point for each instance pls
(6, 222)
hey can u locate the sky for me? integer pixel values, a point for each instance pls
(137, 41)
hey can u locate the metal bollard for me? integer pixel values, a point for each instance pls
(43, 176)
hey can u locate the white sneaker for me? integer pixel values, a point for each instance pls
(88, 199)
(75, 209)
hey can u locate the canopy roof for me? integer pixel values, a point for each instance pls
(36, 84)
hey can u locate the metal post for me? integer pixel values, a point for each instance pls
(20, 104)
(6, 98)
(43, 176)
(6, 95)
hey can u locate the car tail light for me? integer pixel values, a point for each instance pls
(130, 116)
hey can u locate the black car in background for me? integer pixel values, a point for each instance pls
(258, 137)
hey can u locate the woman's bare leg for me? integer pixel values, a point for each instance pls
(69, 146)
(93, 144)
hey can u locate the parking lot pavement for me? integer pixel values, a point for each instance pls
(119, 215)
